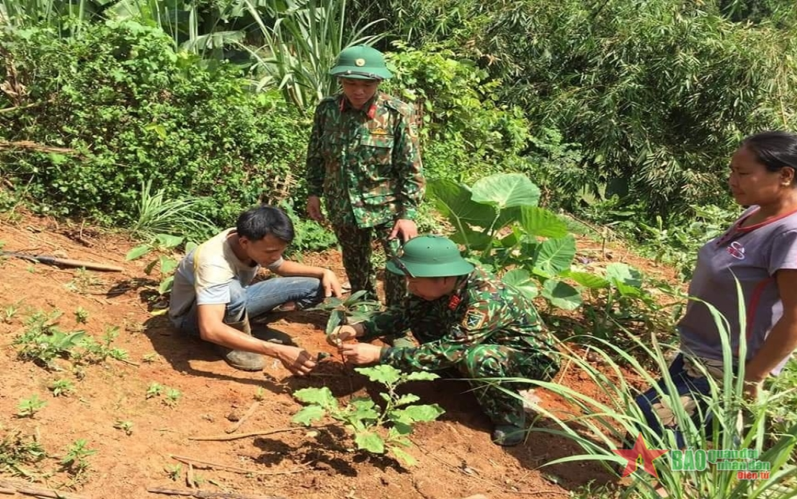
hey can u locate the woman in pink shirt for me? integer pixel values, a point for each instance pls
(760, 253)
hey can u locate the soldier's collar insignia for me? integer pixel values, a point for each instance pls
(454, 302)
(379, 131)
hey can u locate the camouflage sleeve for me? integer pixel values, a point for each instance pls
(408, 167)
(477, 326)
(392, 321)
(314, 169)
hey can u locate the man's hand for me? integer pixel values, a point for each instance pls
(404, 229)
(344, 333)
(296, 360)
(314, 208)
(331, 284)
(361, 353)
(751, 389)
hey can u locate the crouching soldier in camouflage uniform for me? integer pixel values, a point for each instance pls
(463, 318)
(363, 158)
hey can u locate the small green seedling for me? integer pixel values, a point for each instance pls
(82, 282)
(61, 387)
(9, 312)
(172, 396)
(75, 460)
(29, 407)
(174, 472)
(42, 341)
(17, 449)
(149, 358)
(154, 390)
(260, 394)
(374, 430)
(352, 309)
(125, 426)
(81, 315)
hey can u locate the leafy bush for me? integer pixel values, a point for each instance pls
(464, 133)
(658, 93)
(133, 111)
(365, 419)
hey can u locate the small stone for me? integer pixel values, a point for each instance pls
(233, 416)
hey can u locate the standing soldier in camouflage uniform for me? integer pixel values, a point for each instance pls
(363, 158)
(463, 318)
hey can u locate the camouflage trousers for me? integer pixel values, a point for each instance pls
(496, 361)
(355, 243)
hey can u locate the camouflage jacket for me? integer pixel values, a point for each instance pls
(366, 163)
(481, 310)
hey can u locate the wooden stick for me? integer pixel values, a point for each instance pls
(223, 467)
(10, 492)
(205, 494)
(246, 416)
(48, 493)
(50, 260)
(226, 438)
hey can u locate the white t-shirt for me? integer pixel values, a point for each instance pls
(205, 274)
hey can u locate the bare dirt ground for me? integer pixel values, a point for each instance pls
(455, 456)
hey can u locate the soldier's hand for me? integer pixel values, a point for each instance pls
(314, 208)
(361, 353)
(296, 360)
(344, 333)
(404, 229)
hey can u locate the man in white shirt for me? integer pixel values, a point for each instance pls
(212, 297)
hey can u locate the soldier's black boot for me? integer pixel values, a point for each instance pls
(508, 435)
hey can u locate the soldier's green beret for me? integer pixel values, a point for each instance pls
(361, 62)
(430, 256)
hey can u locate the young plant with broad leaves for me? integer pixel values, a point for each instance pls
(166, 265)
(375, 429)
(499, 223)
(347, 310)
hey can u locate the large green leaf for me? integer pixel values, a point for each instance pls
(590, 281)
(506, 190)
(167, 264)
(555, 255)
(561, 294)
(422, 376)
(364, 408)
(166, 285)
(541, 222)
(408, 398)
(370, 441)
(335, 319)
(320, 396)
(417, 413)
(168, 240)
(138, 252)
(402, 456)
(473, 239)
(387, 375)
(521, 280)
(454, 201)
(620, 272)
(309, 414)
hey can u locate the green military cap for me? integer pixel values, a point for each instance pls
(361, 62)
(430, 256)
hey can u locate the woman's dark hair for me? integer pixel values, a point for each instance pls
(256, 223)
(774, 149)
